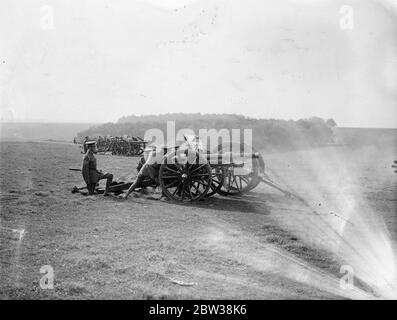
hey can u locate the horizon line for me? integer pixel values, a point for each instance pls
(100, 123)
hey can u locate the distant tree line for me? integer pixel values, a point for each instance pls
(267, 133)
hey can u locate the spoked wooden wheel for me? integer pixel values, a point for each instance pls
(237, 182)
(185, 180)
(218, 176)
(240, 177)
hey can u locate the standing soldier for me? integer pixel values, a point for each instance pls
(90, 173)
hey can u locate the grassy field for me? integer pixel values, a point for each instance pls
(262, 245)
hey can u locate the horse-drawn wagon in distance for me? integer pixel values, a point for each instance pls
(122, 146)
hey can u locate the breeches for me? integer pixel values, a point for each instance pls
(107, 176)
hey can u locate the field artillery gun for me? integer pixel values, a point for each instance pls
(224, 172)
(209, 174)
(187, 173)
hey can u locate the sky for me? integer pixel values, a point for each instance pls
(97, 60)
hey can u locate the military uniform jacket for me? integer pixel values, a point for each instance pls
(89, 170)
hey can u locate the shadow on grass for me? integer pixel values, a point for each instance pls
(243, 203)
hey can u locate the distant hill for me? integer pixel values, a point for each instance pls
(267, 133)
(185, 117)
(41, 131)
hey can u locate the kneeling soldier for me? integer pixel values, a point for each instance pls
(90, 173)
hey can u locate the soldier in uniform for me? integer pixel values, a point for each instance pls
(90, 173)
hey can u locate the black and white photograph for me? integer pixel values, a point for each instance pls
(208, 151)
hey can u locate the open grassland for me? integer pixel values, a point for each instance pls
(262, 245)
